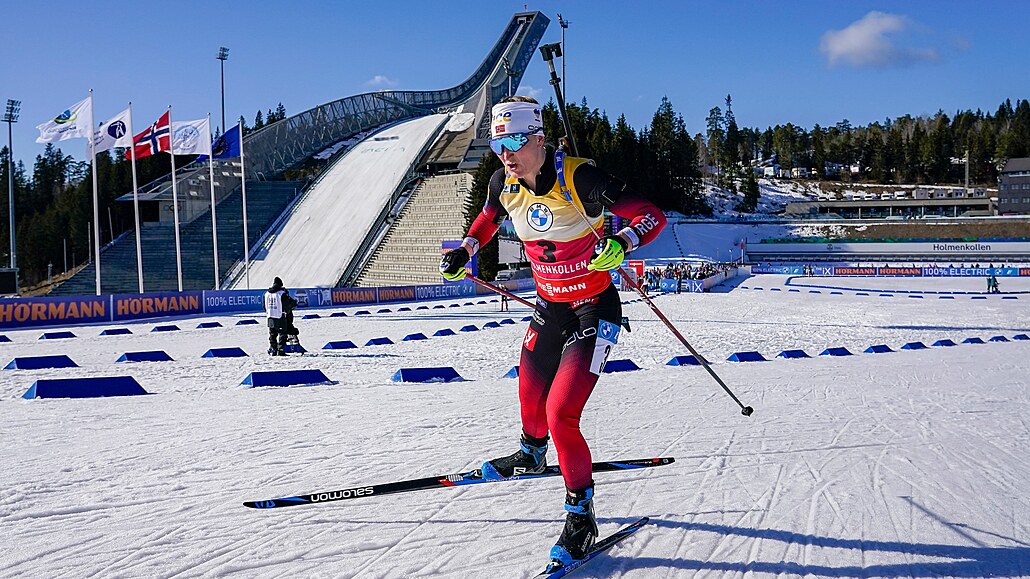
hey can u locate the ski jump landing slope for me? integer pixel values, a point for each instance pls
(315, 245)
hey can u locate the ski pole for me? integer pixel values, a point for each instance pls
(501, 291)
(549, 51)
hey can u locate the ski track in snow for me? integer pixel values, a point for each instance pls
(906, 464)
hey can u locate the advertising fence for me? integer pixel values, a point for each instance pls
(918, 271)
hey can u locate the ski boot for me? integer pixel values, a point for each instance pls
(531, 458)
(580, 532)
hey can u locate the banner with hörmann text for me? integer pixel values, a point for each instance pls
(139, 306)
(32, 312)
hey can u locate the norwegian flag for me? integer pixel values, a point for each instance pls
(156, 138)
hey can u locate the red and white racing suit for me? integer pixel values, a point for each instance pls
(578, 312)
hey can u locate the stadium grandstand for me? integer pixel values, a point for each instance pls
(393, 161)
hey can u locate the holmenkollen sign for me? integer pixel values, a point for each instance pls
(941, 249)
(962, 247)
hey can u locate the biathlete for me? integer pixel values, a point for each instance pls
(556, 204)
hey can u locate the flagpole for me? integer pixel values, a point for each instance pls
(135, 204)
(214, 221)
(175, 199)
(96, 196)
(243, 181)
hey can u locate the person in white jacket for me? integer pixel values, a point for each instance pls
(275, 311)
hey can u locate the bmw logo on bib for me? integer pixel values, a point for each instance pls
(540, 217)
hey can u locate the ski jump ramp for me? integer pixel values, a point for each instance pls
(327, 226)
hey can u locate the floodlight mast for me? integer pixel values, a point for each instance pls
(223, 55)
(11, 117)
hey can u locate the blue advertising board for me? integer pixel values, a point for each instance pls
(152, 305)
(223, 301)
(778, 269)
(29, 312)
(396, 294)
(449, 290)
(890, 271)
(343, 296)
(313, 297)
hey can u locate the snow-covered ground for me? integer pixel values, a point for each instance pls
(708, 241)
(774, 195)
(905, 464)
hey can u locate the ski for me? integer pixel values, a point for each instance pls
(555, 569)
(443, 481)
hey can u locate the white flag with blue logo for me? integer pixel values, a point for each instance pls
(113, 133)
(191, 137)
(73, 123)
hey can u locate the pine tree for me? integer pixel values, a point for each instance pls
(623, 149)
(818, 153)
(894, 154)
(716, 136)
(48, 177)
(730, 150)
(553, 129)
(752, 193)
(660, 145)
(677, 178)
(600, 141)
(259, 121)
(21, 195)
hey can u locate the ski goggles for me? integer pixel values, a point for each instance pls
(513, 142)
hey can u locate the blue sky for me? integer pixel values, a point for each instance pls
(805, 62)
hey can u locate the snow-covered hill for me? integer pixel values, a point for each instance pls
(775, 194)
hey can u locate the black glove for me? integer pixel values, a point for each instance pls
(452, 264)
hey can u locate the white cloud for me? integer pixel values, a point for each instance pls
(526, 90)
(381, 80)
(873, 41)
